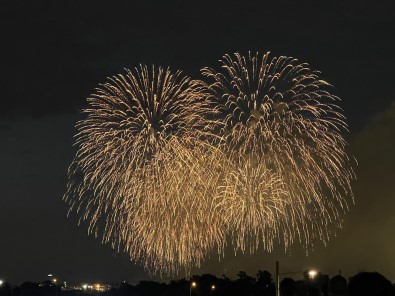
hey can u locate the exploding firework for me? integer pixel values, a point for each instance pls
(187, 226)
(253, 204)
(281, 128)
(168, 168)
(141, 178)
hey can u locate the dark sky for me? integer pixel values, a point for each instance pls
(53, 54)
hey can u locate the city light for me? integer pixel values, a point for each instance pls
(92, 287)
(193, 285)
(312, 273)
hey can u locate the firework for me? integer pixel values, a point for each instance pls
(253, 202)
(281, 128)
(169, 168)
(187, 224)
(141, 177)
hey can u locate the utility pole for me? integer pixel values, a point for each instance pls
(277, 278)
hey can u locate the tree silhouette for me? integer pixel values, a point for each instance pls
(264, 284)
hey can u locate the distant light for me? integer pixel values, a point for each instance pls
(55, 280)
(312, 273)
(50, 274)
(84, 286)
(212, 287)
(193, 284)
(1, 282)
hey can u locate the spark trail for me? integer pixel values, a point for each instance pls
(170, 170)
(281, 128)
(142, 178)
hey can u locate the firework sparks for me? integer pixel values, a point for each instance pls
(169, 168)
(280, 126)
(141, 176)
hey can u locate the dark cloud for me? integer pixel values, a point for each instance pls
(370, 223)
(6, 127)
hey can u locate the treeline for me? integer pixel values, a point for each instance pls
(365, 283)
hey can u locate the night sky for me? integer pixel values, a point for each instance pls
(54, 53)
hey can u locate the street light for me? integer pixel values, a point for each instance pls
(55, 280)
(193, 285)
(312, 273)
(212, 289)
